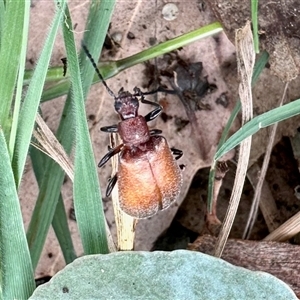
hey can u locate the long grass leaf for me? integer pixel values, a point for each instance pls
(169, 45)
(62, 232)
(94, 36)
(2, 12)
(11, 43)
(16, 274)
(87, 196)
(45, 207)
(254, 18)
(42, 215)
(59, 222)
(54, 74)
(264, 120)
(32, 99)
(53, 178)
(17, 102)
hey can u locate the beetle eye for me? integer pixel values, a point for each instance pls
(135, 101)
(118, 105)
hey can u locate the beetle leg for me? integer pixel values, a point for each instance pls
(152, 114)
(112, 182)
(109, 155)
(110, 129)
(155, 132)
(177, 153)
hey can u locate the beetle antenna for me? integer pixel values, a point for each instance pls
(160, 89)
(88, 54)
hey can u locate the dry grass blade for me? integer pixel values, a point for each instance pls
(49, 144)
(125, 224)
(245, 61)
(286, 231)
(267, 203)
(258, 188)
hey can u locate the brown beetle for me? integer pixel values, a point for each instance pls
(148, 176)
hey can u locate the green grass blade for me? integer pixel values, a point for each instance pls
(260, 64)
(168, 46)
(258, 68)
(94, 36)
(32, 99)
(42, 215)
(11, 43)
(87, 196)
(16, 274)
(17, 102)
(62, 232)
(45, 207)
(53, 179)
(56, 91)
(2, 12)
(59, 222)
(53, 74)
(254, 18)
(264, 120)
(111, 68)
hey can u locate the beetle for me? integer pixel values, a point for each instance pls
(149, 178)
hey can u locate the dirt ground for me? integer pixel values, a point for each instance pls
(214, 62)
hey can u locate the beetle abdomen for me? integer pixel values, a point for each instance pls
(166, 172)
(149, 178)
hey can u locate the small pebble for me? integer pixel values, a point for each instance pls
(130, 35)
(117, 37)
(170, 12)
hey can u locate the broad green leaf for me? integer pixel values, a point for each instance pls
(179, 274)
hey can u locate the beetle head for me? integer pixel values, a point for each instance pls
(126, 105)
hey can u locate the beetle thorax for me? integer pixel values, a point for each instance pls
(134, 131)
